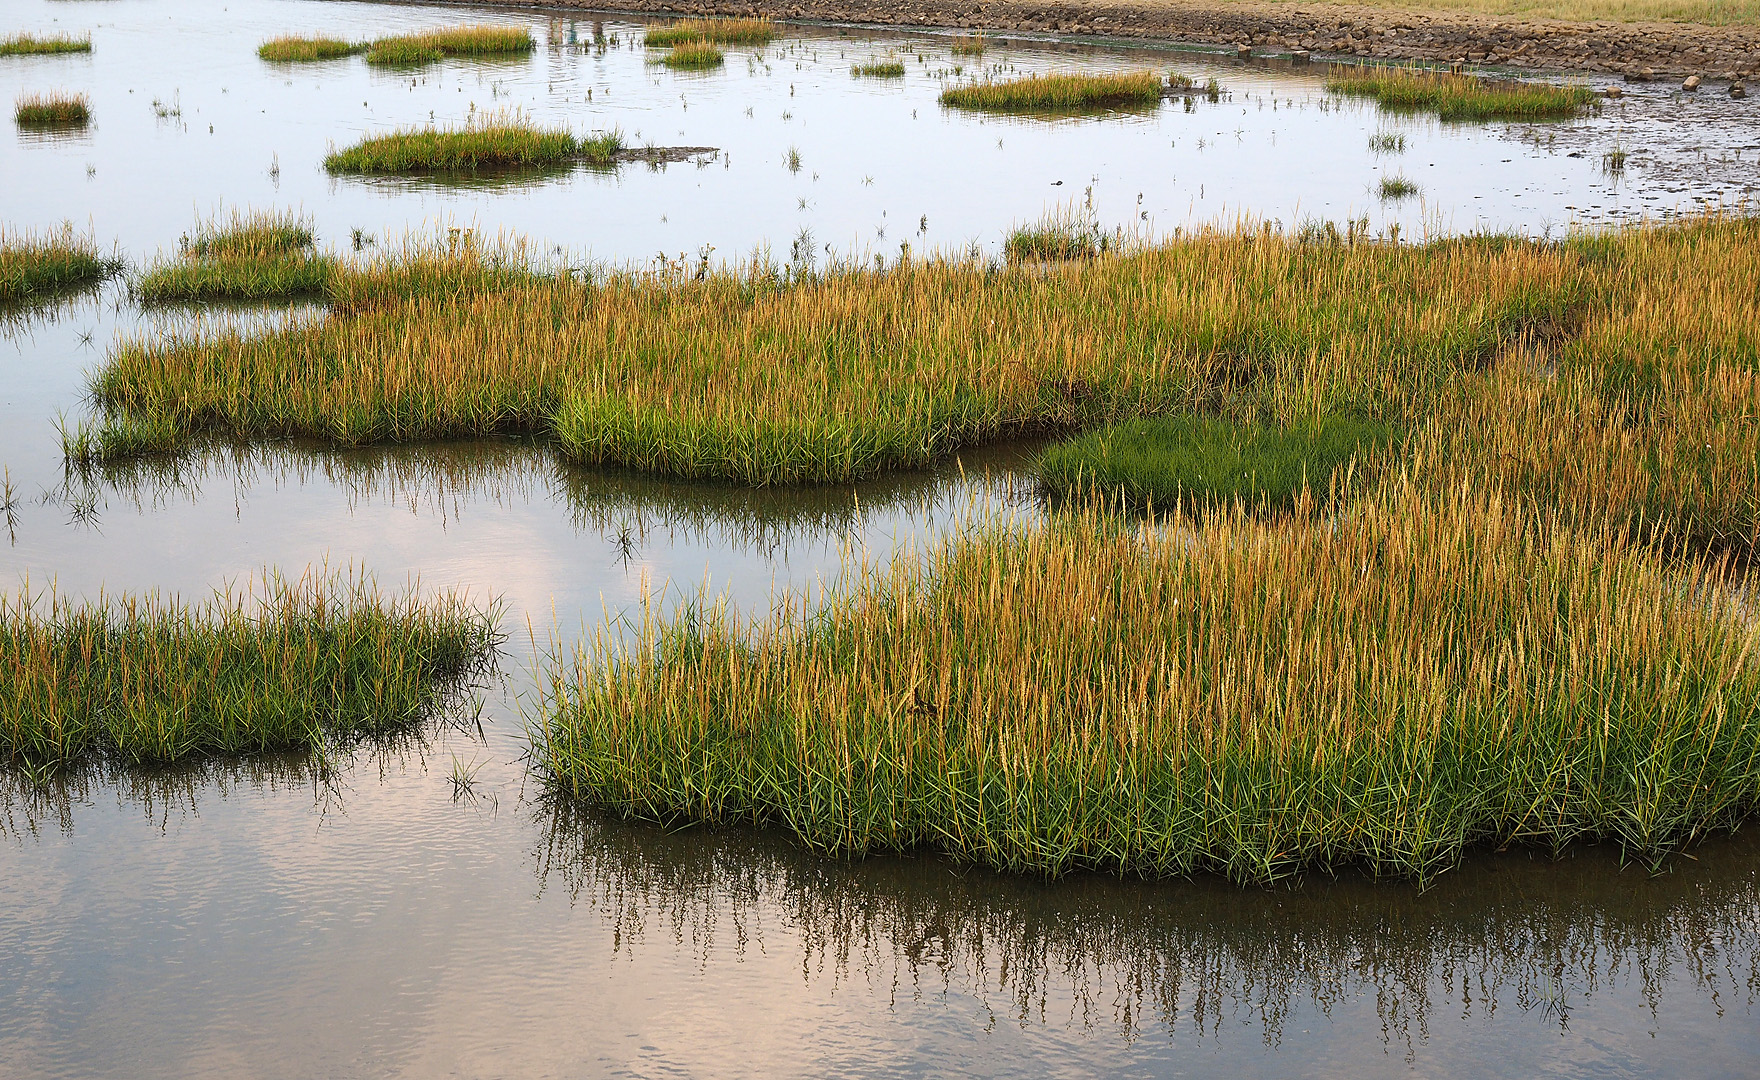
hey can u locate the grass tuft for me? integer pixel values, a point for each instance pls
(1208, 461)
(1058, 93)
(483, 40)
(33, 45)
(881, 69)
(1462, 97)
(32, 266)
(295, 48)
(52, 110)
(491, 143)
(1395, 188)
(713, 31)
(289, 665)
(693, 56)
(970, 44)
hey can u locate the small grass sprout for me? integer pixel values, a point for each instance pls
(52, 110)
(1058, 93)
(296, 48)
(713, 31)
(1462, 97)
(35, 45)
(1613, 163)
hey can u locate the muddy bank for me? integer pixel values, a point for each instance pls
(1670, 49)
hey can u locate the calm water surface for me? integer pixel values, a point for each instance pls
(257, 918)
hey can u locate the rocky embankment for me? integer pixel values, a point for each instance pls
(1668, 49)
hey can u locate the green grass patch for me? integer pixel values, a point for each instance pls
(884, 69)
(468, 42)
(258, 233)
(1058, 93)
(33, 265)
(1249, 696)
(242, 278)
(48, 45)
(1207, 460)
(490, 144)
(294, 48)
(1395, 188)
(714, 31)
(52, 111)
(1463, 97)
(296, 666)
(693, 56)
(1060, 235)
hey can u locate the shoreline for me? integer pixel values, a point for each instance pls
(1721, 53)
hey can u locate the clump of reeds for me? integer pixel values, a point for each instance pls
(1060, 235)
(254, 257)
(714, 31)
(1462, 97)
(52, 110)
(1254, 697)
(457, 41)
(1208, 461)
(39, 45)
(880, 69)
(286, 665)
(297, 48)
(33, 265)
(496, 142)
(1058, 93)
(1387, 142)
(970, 44)
(1395, 188)
(693, 56)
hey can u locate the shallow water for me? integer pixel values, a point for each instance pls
(257, 919)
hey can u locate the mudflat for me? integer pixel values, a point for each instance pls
(1622, 36)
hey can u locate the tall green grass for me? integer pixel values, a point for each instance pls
(693, 56)
(880, 69)
(252, 257)
(296, 48)
(713, 31)
(493, 143)
(1430, 671)
(1208, 460)
(1463, 97)
(33, 265)
(482, 40)
(41, 45)
(52, 110)
(1058, 93)
(290, 665)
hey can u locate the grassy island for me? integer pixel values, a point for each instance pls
(467, 42)
(293, 48)
(44, 45)
(496, 143)
(34, 265)
(713, 31)
(1463, 97)
(1058, 93)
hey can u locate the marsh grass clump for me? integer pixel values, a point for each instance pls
(693, 56)
(1061, 235)
(479, 41)
(496, 142)
(34, 265)
(253, 257)
(296, 48)
(257, 233)
(970, 44)
(1058, 93)
(34, 45)
(1208, 460)
(880, 69)
(52, 110)
(1395, 188)
(1251, 696)
(1613, 163)
(1387, 142)
(287, 665)
(713, 31)
(1462, 97)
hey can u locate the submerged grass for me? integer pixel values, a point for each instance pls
(481, 40)
(34, 45)
(1058, 93)
(1254, 697)
(693, 55)
(713, 31)
(52, 110)
(1208, 461)
(33, 265)
(493, 143)
(1462, 97)
(292, 665)
(295, 48)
